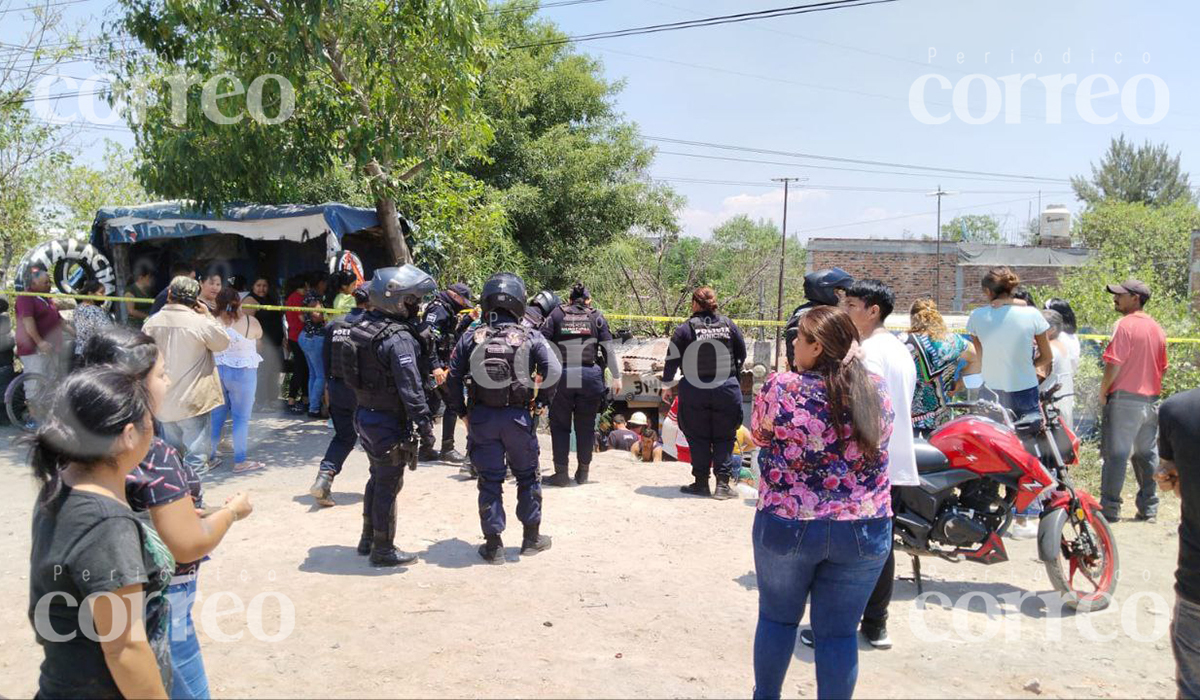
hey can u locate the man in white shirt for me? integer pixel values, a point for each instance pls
(869, 303)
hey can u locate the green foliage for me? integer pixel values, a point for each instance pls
(573, 171)
(1143, 242)
(79, 190)
(1129, 173)
(32, 156)
(643, 276)
(973, 228)
(380, 88)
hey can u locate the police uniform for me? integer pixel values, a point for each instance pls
(342, 406)
(578, 330)
(379, 359)
(710, 395)
(496, 362)
(820, 289)
(446, 324)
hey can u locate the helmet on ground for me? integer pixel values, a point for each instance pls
(545, 300)
(638, 418)
(503, 291)
(819, 286)
(394, 289)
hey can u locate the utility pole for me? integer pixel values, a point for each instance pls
(937, 290)
(787, 181)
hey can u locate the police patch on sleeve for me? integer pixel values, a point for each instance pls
(480, 334)
(406, 360)
(515, 338)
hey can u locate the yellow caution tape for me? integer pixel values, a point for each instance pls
(749, 322)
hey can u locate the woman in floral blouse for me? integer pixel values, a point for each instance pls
(90, 318)
(823, 528)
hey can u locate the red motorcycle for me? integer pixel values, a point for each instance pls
(977, 468)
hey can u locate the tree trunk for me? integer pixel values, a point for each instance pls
(393, 237)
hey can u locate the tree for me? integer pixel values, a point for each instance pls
(972, 228)
(80, 190)
(385, 88)
(573, 172)
(1129, 173)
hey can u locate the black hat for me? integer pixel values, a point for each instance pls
(463, 291)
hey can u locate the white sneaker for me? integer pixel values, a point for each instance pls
(1023, 529)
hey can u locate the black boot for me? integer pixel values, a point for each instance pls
(492, 550)
(723, 492)
(561, 477)
(581, 474)
(383, 549)
(321, 488)
(451, 455)
(700, 488)
(532, 542)
(427, 454)
(364, 542)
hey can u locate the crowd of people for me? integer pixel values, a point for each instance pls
(135, 423)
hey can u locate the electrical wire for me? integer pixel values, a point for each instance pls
(826, 6)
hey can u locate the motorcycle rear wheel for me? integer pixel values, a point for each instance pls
(1085, 572)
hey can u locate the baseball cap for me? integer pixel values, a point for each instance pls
(185, 290)
(463, 291)
(1130, 287)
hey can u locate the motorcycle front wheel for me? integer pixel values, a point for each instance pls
(1081, 558)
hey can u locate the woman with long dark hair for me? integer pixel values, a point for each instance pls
(87, 543)
(266, 397)
(169, 490)
(238, 367)
(823, 529)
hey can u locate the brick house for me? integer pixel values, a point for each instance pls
(912, 267)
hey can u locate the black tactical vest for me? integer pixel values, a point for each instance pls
(709, 333)
(355, 357)
(445, 338)
(578, 328)
(495, 357)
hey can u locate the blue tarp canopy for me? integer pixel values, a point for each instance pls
(178, 219)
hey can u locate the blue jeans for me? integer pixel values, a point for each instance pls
(836, 563)
(190, 438)
(1021, 402)
(185, 646)
(313, 345)
(1185, 641)
(240, 385)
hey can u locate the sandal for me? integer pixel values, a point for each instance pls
(248, 467)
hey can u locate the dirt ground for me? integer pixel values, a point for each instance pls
(646, 593)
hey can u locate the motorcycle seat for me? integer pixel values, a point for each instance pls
(1029, 425)
(929, 458)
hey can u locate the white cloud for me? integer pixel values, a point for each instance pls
(701, 222)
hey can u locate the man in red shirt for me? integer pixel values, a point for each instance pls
(39, 329)
(1134, 363)
(297, 392)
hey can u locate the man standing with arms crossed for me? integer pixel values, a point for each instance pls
(1134, 363)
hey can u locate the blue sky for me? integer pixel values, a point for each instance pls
(837, 84)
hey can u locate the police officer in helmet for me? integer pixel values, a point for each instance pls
(342, 403)
(710, 351)
(379, 359)
(446, 321)
(820, 289)
(539, 307)
(579, 331)
(509, 371)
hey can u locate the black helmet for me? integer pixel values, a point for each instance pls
(819, 286)
(545, 300)
(504, 291)
(393, 289)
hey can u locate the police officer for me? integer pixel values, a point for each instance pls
(503, 363)
(342, 404)
(820, 289)
(711, 351)
(539, 307)
(578, 330)
(446, 321)
(379, 359)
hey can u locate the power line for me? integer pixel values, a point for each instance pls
(912, 216)
(44, 5)
(827, 167)
(857, 161)
(539, 6)
(709, 21)
(848, 188)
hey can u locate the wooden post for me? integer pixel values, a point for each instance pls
(121, 266)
